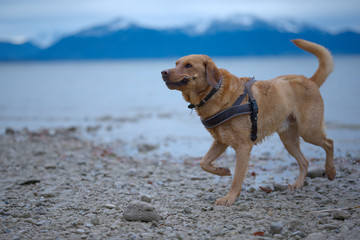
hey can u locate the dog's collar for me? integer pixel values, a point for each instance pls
(212, 92)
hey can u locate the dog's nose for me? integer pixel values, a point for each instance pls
(165, 73)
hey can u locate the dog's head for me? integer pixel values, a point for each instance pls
(192, 75)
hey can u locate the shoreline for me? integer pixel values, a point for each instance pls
(56, 184)
(180, 135)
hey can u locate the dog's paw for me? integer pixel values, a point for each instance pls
(295, 186)
(225, 201)
(330, 173)
(222, 171)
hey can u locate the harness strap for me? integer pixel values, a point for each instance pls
(238, 109)
(254, 110)
(226, 114)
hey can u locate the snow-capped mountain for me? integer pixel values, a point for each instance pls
(104, 29)
(237, 35)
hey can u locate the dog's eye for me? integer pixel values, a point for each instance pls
(188, 65)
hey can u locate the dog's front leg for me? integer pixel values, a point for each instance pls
(242, 160)
(214, 152)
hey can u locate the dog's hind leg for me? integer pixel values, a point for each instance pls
(291, 141)
(317, 136)
(214, 152)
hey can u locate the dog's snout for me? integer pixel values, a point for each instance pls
(165, 73)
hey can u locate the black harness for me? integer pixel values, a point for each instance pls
(236, 109)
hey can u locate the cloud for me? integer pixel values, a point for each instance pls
(24, 18)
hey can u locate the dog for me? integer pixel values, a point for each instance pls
(290, 105)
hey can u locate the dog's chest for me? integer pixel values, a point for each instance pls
(228, 134)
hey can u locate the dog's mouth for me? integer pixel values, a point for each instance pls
(184, 80)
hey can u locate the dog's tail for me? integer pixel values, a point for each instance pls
(326, 62)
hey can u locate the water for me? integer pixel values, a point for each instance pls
(130, 102)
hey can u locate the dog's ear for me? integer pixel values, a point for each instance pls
(213, 74)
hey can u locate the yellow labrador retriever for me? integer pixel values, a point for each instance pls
(290, 105)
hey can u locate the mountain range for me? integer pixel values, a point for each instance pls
(237, 36)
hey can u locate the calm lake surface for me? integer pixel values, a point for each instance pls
(128, 101)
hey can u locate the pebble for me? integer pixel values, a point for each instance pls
(109, 206)
(30, 181)
(47, 194)
(141, 211)
(144, 148)
(18, 214)
(88, 225)
(209, 198)
(316, 236)
(145, 198)
(17, 237)
(251, 190)
(80, 231)
(187, 210)
(50, 166)
(132, 172)
(95, 221)
(241, 207)
(276, 228)
(296, 225)
(298, 233)
(42, 222)
(329, 226)
(280, 187)
(9, 131)
(340, 215)
(40, 210)
(316, 173)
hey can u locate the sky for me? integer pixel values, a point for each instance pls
(45, 19)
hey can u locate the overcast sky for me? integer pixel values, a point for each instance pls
(21, 19)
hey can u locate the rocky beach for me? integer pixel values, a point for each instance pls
(56, 184)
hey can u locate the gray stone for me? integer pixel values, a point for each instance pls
(95, 221)
(42, 222)
(187, 210)
(210, 198)
(88, 225)
(144, 148)
(340, 214)
(17, 237)
(141, 211)
(145, 198)
(296, 225)
(298, 233)
(80, 231)
(9, 131)
(47, 194)
(109, 206)
(316, 173)
(276, 228)
(316, 236)
(19, 214)
(30, 181)
(132, 172)
(280, 187)
(329, 226)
